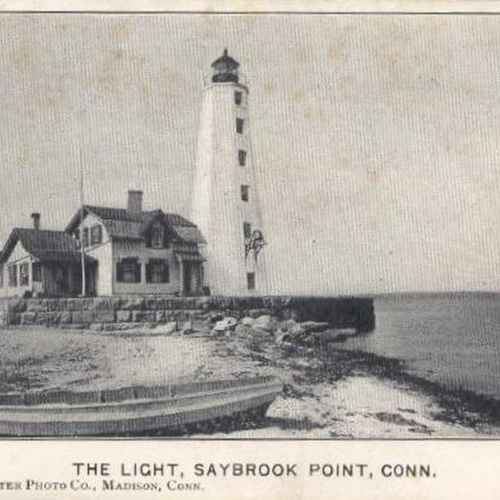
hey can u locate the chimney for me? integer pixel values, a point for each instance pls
(134, 205)
(36, 220)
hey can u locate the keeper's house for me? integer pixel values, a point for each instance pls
(126, 251)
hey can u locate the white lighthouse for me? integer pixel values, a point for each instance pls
(225, 205)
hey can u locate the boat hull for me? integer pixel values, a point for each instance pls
(167, 408)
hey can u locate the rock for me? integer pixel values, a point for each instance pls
(265, 323)
(123, 316)
(247, 321)
(242, 330)
(288, 325)
(297, 330)
(255, 313)
(131, 303)
(28, 318)
(101, 304)
(314, 326)
(225, 325)
(65, 318)
(281, 337)
(138, 316)
(34, 306)
(166, 329)
(105, 316)
(338, 335)
(215, 317)
(348, 332)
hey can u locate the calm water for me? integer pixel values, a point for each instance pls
(453, 340)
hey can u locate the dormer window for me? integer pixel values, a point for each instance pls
(96, 235)
(157, 234)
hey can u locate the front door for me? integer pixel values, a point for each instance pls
(187, 278)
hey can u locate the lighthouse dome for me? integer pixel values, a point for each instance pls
(225, 69)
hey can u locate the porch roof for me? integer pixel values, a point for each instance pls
(189, 256)
(44, 245)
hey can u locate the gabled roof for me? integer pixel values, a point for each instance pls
(45, 245)
(120, 223)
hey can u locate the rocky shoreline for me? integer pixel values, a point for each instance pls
(328, 392)
(307, 358)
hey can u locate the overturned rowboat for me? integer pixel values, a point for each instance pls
(135, 410)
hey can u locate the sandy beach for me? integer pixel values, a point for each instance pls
(337, 394)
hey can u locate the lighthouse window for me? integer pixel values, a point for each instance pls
(244, 192)
(239, 125)
(242, 157)
(247, 229)
(237, 97)
(251, 281)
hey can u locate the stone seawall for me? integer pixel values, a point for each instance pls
(127, 312)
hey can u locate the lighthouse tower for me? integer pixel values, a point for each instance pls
(225, 205)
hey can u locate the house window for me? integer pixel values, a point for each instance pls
(244, 192)
(37, 271)
(157, 271)
(77, 234)
(128, 271)
(239, 125)
(24, 274)
(237, 97)
(251, 281)
(85, 241)
(247, 230)
(13, 275)
(242, 157)
(157, 237)
(96, 235)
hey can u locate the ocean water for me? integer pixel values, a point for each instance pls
(451, 339)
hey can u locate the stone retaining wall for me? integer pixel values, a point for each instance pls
(123, 312)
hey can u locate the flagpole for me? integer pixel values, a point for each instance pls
(82, 246)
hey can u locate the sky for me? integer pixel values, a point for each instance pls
(376, 137)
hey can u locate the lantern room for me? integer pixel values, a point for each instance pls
(225, 69)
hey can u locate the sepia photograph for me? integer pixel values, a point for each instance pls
(250, 226)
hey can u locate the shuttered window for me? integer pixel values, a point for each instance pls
(128, 271)
(157, 271)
